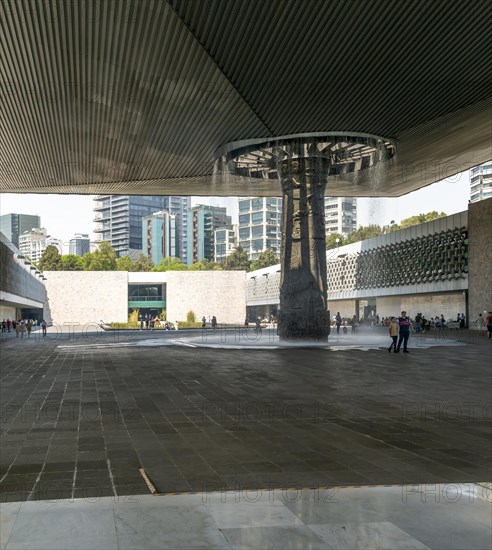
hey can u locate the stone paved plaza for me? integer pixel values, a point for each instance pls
(82, 414)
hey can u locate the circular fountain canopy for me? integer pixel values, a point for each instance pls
(342, 153)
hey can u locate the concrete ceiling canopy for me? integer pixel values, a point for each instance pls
(136, 96)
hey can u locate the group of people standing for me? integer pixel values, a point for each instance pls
(399, 330)
(22, 326)
(342, 323)
(212, 321)
(149, 322)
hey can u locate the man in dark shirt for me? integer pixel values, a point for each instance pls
(403, 331)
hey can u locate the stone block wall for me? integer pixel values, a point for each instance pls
(86, 297)
(8, 312)
(430, 305)
(480, 258)
(345, 307)
(219, 293)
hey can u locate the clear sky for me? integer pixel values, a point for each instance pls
(65, 215)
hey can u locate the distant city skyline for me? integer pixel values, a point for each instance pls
(67, 215)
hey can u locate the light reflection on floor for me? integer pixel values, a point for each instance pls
(248, 339)
(451, 516)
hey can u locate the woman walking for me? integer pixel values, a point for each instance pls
(393, 332)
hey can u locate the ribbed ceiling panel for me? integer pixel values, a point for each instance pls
(97, 93)
(349, 65)
(136, 95)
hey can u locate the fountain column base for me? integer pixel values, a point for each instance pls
(303, 311)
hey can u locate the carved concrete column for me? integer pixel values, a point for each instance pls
(303, 288)
(303, 163)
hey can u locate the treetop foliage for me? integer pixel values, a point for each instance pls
(369, 231)
(238, 260)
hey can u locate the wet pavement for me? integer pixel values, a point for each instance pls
(82, 413)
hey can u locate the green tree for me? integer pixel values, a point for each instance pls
(391, 227)
(103, 259)
(170, 263)
(421, 218)
(124, 263)
(143, 263)
(133, 317)
(238, 260)
(190, 316)
(50, 259)
(71, 262)
(334, 240)
(364, 232)
(265, 259)
(205, 265)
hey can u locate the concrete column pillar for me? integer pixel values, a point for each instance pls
(303, 287)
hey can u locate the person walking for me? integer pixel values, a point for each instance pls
(29, 327)
(214, 322)
(338, 321)
(4, 326)
(22, 324)
(354, 324)
(404, 332)
(393, 332)
(17, 328)
(462, 321)
(204, 322)
(43, 327)
(9, 324)
(488, 322)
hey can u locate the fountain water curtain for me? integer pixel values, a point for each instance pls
(303, 164)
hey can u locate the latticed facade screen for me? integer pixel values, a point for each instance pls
(429, 259)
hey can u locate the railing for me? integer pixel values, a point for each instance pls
(145, 298)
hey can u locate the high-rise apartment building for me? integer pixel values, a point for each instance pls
(340, 215)
(203, 220)
(13, 225)
(33, 243)
(225, 241)
(159, 236)
(260, 222)
(481, 182)
(119, 220)
(80, 244)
